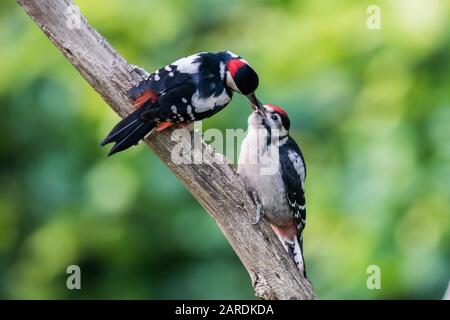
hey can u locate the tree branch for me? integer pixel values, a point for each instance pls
(215, 186)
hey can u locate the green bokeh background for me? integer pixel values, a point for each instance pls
(370, 109)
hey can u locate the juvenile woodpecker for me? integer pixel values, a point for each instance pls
(189, 89)
(273, 170)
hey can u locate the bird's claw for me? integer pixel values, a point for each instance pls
(139, 71)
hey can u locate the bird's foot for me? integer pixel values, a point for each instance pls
(139, 71)
(258, 207)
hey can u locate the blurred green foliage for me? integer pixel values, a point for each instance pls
(370, 109)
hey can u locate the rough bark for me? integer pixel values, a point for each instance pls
(214, 185)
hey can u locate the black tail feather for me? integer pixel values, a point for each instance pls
(128, 132)
(123, 128)
(140, 130)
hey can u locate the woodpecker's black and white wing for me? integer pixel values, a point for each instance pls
(293, 170)
(191, 88)
(167, 78)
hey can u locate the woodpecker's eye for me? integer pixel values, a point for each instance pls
(275, 117)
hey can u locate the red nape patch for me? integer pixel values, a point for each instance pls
(144, 97)
(278, 110)
(234, 65)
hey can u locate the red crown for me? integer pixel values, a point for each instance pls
(278, 110)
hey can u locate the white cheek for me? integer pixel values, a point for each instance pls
(230, 82)
(274, 124)
(277, 124)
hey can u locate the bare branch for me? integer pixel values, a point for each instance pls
(216, 187)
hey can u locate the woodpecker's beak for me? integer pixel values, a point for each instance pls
(256, 104)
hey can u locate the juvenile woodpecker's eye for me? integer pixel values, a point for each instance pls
(275, 117)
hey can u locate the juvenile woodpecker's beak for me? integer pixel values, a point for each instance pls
(256, 104)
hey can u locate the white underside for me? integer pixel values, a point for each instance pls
(259, 169)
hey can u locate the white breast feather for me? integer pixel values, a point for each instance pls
(269, 187)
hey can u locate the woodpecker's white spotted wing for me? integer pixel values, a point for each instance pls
(159, 82)
(191, 88)
(294, 175)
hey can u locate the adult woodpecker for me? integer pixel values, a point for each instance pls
(189, 89)
(273, 170)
